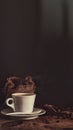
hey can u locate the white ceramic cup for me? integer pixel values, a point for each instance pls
(22, 102)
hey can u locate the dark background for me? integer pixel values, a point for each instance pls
(36, 38)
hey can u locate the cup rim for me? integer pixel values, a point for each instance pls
(18, 94)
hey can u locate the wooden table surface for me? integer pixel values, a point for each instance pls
(41, 123)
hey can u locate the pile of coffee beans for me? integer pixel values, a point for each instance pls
(61, 112)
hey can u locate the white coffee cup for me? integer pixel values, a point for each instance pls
(22, 102)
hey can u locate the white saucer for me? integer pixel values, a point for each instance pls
(25, 118)
(36, 112)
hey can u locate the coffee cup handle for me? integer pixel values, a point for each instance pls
(10, 104)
